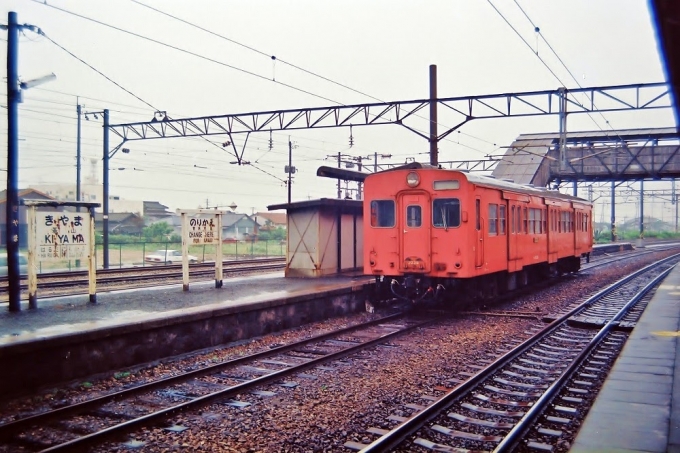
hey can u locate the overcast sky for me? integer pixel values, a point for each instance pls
(348, 51)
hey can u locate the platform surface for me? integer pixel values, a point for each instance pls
(638, 408)
(70, 314)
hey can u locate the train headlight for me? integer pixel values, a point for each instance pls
(412, 179)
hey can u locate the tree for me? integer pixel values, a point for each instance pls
(276, 234)
(159, 230)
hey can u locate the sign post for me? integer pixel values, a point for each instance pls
(201, 226)
(57, 235)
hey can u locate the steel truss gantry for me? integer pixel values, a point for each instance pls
(463, 108)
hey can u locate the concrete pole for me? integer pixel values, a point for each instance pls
(434, 158)
(12, 213)
(79, 112)
(105, 214)
(642, 209)
(563, 128)
(613, 226)
(290, 168)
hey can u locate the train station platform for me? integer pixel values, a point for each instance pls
(68, 337)
(638, 408)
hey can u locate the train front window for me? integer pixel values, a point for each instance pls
(382, 213)
(446, 213)
(413, 216)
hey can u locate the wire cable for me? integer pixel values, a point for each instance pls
(96, 70)
(188, 52)
(525, 42)
(567, 69)
(206, 58)
(273, 57)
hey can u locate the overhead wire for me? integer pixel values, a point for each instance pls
(541, 59)
(96, 70)
(203, 57)
(566, 68)
(292, 65)
(150, 105)
(273, 57)
(208, 58)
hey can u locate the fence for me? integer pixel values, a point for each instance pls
(132, 254)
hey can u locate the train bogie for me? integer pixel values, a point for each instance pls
(431, 233)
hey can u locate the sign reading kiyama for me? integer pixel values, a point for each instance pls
(62, 235)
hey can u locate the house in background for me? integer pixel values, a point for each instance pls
(120, 223)
(156, 212)
(24, 194)
(271, 220)
(238, 227)
(235, 226)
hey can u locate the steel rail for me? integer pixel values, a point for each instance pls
(150, 267)
(104, 434)
(529, 419)
(7, 429)
(148, 277)
(397, 435)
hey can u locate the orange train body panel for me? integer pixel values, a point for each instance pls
(448, 224)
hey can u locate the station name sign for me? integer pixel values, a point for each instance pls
(202, 231)
(62, 235)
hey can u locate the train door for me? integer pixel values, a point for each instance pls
(513, 251)
(415, 232)
(552, 239)
(479, 232)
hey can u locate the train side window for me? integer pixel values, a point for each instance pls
(446, 213)
(413, 216)
(478, 215)
(512, 219)
(501, 219)
(525, 220)
(382, 213)
(493, 219)
(544, 221)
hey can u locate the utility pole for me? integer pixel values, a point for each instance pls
(339, 182)
(105, 214)
(12, 222)
(290, 164)
(642, 209)
(434, 140)
(14, 88)
(290, 169)
(674, 200)
(375, 160)
(79, 112)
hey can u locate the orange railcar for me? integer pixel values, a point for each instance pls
(436, 233)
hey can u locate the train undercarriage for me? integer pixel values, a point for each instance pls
(419, 288)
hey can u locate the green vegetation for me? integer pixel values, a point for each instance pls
(275, 234)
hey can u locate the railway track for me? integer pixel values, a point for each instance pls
(136, 276)
(95, 421)
(532, 396)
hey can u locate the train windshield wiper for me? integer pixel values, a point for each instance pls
(446, 227)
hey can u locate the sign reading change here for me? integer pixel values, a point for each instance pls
(62, 235)
(202, 231)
